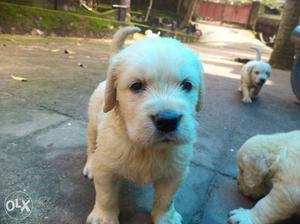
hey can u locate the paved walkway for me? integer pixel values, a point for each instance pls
(43, 128)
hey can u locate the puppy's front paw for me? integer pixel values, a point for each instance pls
(171, 217)
(87, 170)
(240, 216)
(100, 217)
(247, 100)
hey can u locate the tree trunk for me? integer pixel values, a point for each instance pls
(283, 54)
(186, 12)
(179, 2)
(55, 4)
(139, 5)
(127, 11)
(148, 10)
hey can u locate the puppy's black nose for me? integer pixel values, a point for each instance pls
(166, 121)
(262, 81)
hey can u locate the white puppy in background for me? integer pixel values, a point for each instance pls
(269, 165)
(149, 33)
(142, 124)
(253, 76)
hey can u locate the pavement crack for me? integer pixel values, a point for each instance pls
(56, 111)
(198, 216)
(213, 170)
(40, 106)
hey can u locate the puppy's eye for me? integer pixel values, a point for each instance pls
(186, 86)
(137, 87)
(257, 72)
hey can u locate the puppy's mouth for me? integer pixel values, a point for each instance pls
(260, 82)
(170, 138)
(167, 140)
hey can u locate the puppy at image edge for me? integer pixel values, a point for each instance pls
(269, 168)
(254, 74)
(141, 124)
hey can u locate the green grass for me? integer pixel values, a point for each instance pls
(83, 23)
(25, 18)
(102, 13)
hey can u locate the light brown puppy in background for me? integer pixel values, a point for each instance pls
(270, 168)
(142, 124)
(253, 76)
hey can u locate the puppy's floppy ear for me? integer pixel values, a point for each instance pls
(201, 93)
(251, 177)
(281, 160)
(262, 164)
(249, 180)
(110, 94)
(110, 97)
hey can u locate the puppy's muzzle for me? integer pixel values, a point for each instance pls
(262, 81)
(166, 121)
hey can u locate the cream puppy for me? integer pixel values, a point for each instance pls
(253, 76)
(269, 165)
(149, 33)
(142, 124)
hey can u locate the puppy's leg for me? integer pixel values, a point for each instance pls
(246, 96)
(276, 206)
(240, 87)
(106, 209)
(163, 211)
(255, 92)
(92, 144)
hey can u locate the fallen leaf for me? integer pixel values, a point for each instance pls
(19, 78)
(81, 65)
(69, 52)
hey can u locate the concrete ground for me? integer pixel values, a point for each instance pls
(43, 128)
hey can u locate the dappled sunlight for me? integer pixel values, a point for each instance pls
(221, 67)
(220, 71)
(220, 36)
(229, 53)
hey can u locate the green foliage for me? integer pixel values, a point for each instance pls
(83, 23)
(272, 3)
(25, 18)
(269, 3)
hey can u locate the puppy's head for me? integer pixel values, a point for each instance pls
(156, 86)
(259, 71)
(255, 169)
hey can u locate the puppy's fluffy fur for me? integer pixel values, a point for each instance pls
(269, 165)
(149, 33)
(123, 141)
(253, 76)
